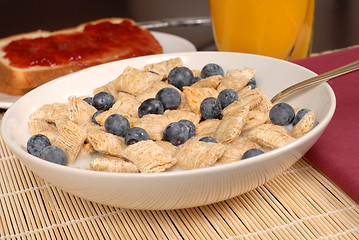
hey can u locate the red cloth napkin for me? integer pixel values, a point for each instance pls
(336, 153)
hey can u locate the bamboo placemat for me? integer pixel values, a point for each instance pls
(301, 203)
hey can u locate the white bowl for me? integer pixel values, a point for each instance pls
(177, 189)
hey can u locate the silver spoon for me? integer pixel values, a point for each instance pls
(314, 81)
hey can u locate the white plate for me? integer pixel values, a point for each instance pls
(169, 42)
(173, 189)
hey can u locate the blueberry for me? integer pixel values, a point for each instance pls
(169, 97)
(103, 101)
(135, 134)
(117, 124)
(93, 119)
(281, 114)
(300, 115)
(211, 69)
(180, 77)
(191, 127)
(252, 153)
(252, 83)
(208, 139)
(176, 133)
(150, 106)
(53, 154)
(227, 96)
(211, 108)
(89, 100)
(36, 143)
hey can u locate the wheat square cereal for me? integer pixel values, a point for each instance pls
(167, 146)
(270, 136)
(235, 150)
(210, 82)
(230, 128)
(154, 125)
(109, 88)
(178, 115)
(198, 154)
(207, 128)
(195, 96)
(79, 111)
(127, 104)
(135, 81)
(254, 119)
(304, 125)
(250, 101)
(236, 79)
(106, 143)
(70, 139)
(38, 125)
(149, 157)
(51, 112)
(107, 163)
(163, 68)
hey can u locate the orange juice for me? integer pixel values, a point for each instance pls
(275, 28)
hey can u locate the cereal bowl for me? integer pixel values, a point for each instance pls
(170, 189)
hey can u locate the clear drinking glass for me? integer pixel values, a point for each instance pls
(276, 28)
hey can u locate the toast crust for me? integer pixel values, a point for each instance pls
(18, 81)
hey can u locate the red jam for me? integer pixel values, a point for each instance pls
(99, 41)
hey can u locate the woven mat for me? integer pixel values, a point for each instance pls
(301, 203)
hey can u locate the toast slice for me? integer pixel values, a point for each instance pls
(30, 59)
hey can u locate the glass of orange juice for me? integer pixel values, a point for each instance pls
(276, 28)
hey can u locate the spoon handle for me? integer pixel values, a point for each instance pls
(314, 81)
(176, 22)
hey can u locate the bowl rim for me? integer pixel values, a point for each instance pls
(168, 174)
